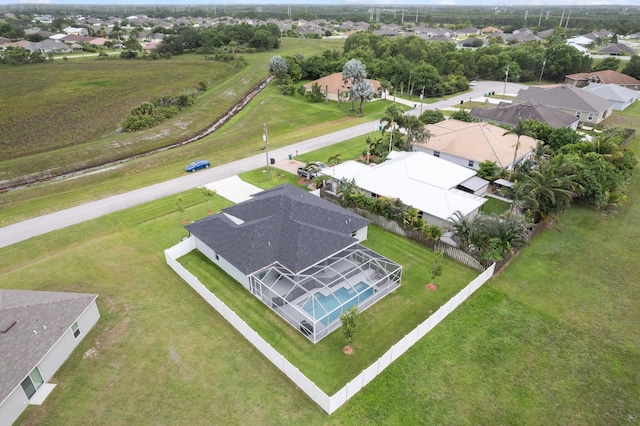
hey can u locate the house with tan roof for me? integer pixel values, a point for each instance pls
(333, 85)
(603, 77)
(469, 144)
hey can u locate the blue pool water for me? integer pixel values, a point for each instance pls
(318, 306)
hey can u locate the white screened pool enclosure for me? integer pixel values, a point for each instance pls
(312, 300)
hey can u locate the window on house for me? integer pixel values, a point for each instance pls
(578, 114)
(436, 153)
(76, 330)
(374, 195)
(590, 117)
(32, 382)
(470, 163)
(353, 234)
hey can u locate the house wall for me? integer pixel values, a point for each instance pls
(17, 401)
(361, 234)
(224, 264)
(67, 343)
(464, 162)
(13, 406)
(584, 115)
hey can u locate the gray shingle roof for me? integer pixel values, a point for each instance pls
(612, 92)
(566, 97)
(510, 113)
(284, 224)
(42, 317)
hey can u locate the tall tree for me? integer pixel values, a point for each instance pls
(278, 67)
(552, 185)
(353, 73)
(519, 130)
(362, 91)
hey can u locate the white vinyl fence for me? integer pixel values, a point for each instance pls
(327, 403)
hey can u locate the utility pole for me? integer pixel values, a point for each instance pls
(421, 98)
(541, 72)
(561, 18)
(265, 139)
(506, 77)
(416, 15)
(540, 20)
(567, 23)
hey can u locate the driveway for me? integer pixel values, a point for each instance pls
(233, 189)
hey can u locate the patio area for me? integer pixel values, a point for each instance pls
(313, 299)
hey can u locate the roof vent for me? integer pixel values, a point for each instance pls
(6, 325)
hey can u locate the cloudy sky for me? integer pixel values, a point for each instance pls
(422, 3)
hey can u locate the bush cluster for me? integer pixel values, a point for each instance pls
(149, 114)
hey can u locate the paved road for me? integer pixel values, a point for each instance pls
(21, 231)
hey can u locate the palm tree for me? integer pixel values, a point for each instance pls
(416, 130)
(335, 159)
(518, 195)
(551, 187)
(465, 228)
(542, 151)
(500, 234)
(385, 86)
(519, 129)
(393, 115)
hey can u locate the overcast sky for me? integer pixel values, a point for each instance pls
(421, 3)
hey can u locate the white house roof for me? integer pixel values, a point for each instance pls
(613, 92)
(418, 179)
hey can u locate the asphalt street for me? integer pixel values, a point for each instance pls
(21, 231)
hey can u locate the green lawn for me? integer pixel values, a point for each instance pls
(259, 178)
(554, 332)
(553, 339)
(493, 205)
(382, 325)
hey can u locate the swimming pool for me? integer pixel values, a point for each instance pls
(328, 308)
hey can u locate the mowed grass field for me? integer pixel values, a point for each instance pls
(64, 115)
(553, 339)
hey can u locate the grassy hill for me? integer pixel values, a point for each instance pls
(63, 116)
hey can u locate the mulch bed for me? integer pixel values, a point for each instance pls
(431, 286)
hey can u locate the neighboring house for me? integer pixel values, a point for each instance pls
(604, 77)
(546, 33)
(510, 113)
(38, 332)
(386, 32)
(333, 85)
(618, 49)
(579, 40)
(299, 254)
(587, 107)
(75, 31)
(620, 96)
(467, 32)
(436, 187)
(469, 144)
(491, 30)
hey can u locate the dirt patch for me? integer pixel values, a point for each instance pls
(431, 287)
(348, 350)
